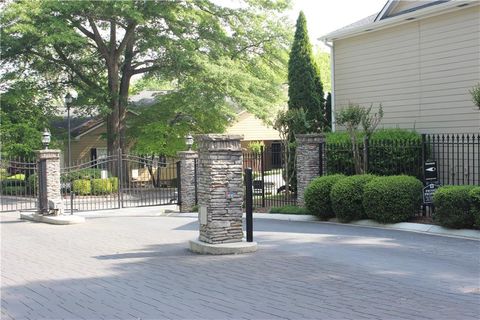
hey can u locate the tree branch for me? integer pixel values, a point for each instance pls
(98, 40)
(72, 67)
(130, 31)
(146, 69)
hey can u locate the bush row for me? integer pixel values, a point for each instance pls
(457, 206)
(85, 187)
(387, 199)
(390, 152)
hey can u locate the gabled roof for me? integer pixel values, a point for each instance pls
(390, 16)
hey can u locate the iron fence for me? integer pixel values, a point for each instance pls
(18, 184)
(120, 180)
(269, 187)
(457, 157)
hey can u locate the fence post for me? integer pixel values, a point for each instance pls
(50, 198)
(120, 177)
(424, 156)
(307, 162)
(366, 145)
(186, 176)
(249, 204)
(262, 168)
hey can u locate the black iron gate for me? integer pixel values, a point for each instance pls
(268, 177)
(119, 181)
(18, 184)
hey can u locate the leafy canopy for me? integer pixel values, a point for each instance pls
(213, 57)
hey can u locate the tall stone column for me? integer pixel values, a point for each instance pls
(187, 180)
(220, 188)
(309, 161)
(50, 189)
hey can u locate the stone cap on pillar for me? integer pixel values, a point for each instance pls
(219, 142)
(313, 138)
(187, 154)
(48, 154)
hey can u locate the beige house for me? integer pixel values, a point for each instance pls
(419, 59)
(88, 139)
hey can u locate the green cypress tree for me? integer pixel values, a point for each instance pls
(305, 87)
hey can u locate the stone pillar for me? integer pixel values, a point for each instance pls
(187, 180)
(52, 190)
(220, 188)
(308, 161)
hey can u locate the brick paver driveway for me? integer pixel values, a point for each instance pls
(139, 268)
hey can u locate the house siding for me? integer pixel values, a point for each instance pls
(252, 128)
(421, 72)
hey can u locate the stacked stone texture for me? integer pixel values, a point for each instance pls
(220, 187)
(187, 180)
(308, 162)
(53, 191)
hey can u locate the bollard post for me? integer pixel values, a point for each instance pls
(249, 204)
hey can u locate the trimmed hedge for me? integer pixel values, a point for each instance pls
(114, 182)
(347, 197)
(391, 151)
(392, 199)
(452, 207)
(317, 196)
(289, 209)
(101, 186)
(475, 205)
(89, 173)
(82, 187)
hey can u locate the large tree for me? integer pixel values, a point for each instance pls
(231, 55)
(305, 88)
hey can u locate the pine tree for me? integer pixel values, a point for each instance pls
(305, 87)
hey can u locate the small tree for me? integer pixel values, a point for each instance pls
(352, 117)
(287, 123)
(475, 92)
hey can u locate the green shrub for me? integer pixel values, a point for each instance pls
(289, 209)
(392, 199)
(3, 173)
(452, 207)
(101, 186)
(18, 176)
(475, 205)
(317, 196)
(82, 187)
(391, 151)
(114, 182)
(89, 173)
(32, 181)
(11, 190)
(347, 197)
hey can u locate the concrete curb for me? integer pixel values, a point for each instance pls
(402, 226)
(59, 220)
(222, 248)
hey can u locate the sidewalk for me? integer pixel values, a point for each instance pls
(172, 211)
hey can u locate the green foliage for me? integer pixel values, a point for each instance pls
(475, 92)
(13, 190)
(101, 186)
(317, 196)
(475, 205)
(305, 89)
(289, 209)
(214, 58)
(347, 197)
(23, 117)
(18, 176)
(392, 199)
(3, 173)
(322, 59)
(82, 187)
(389, 149)
(452, 207)
(255, 146)
(114, 183)
(88, 173)
(32, 181)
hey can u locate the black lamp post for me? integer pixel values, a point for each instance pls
(68, 101)
(46, 138)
